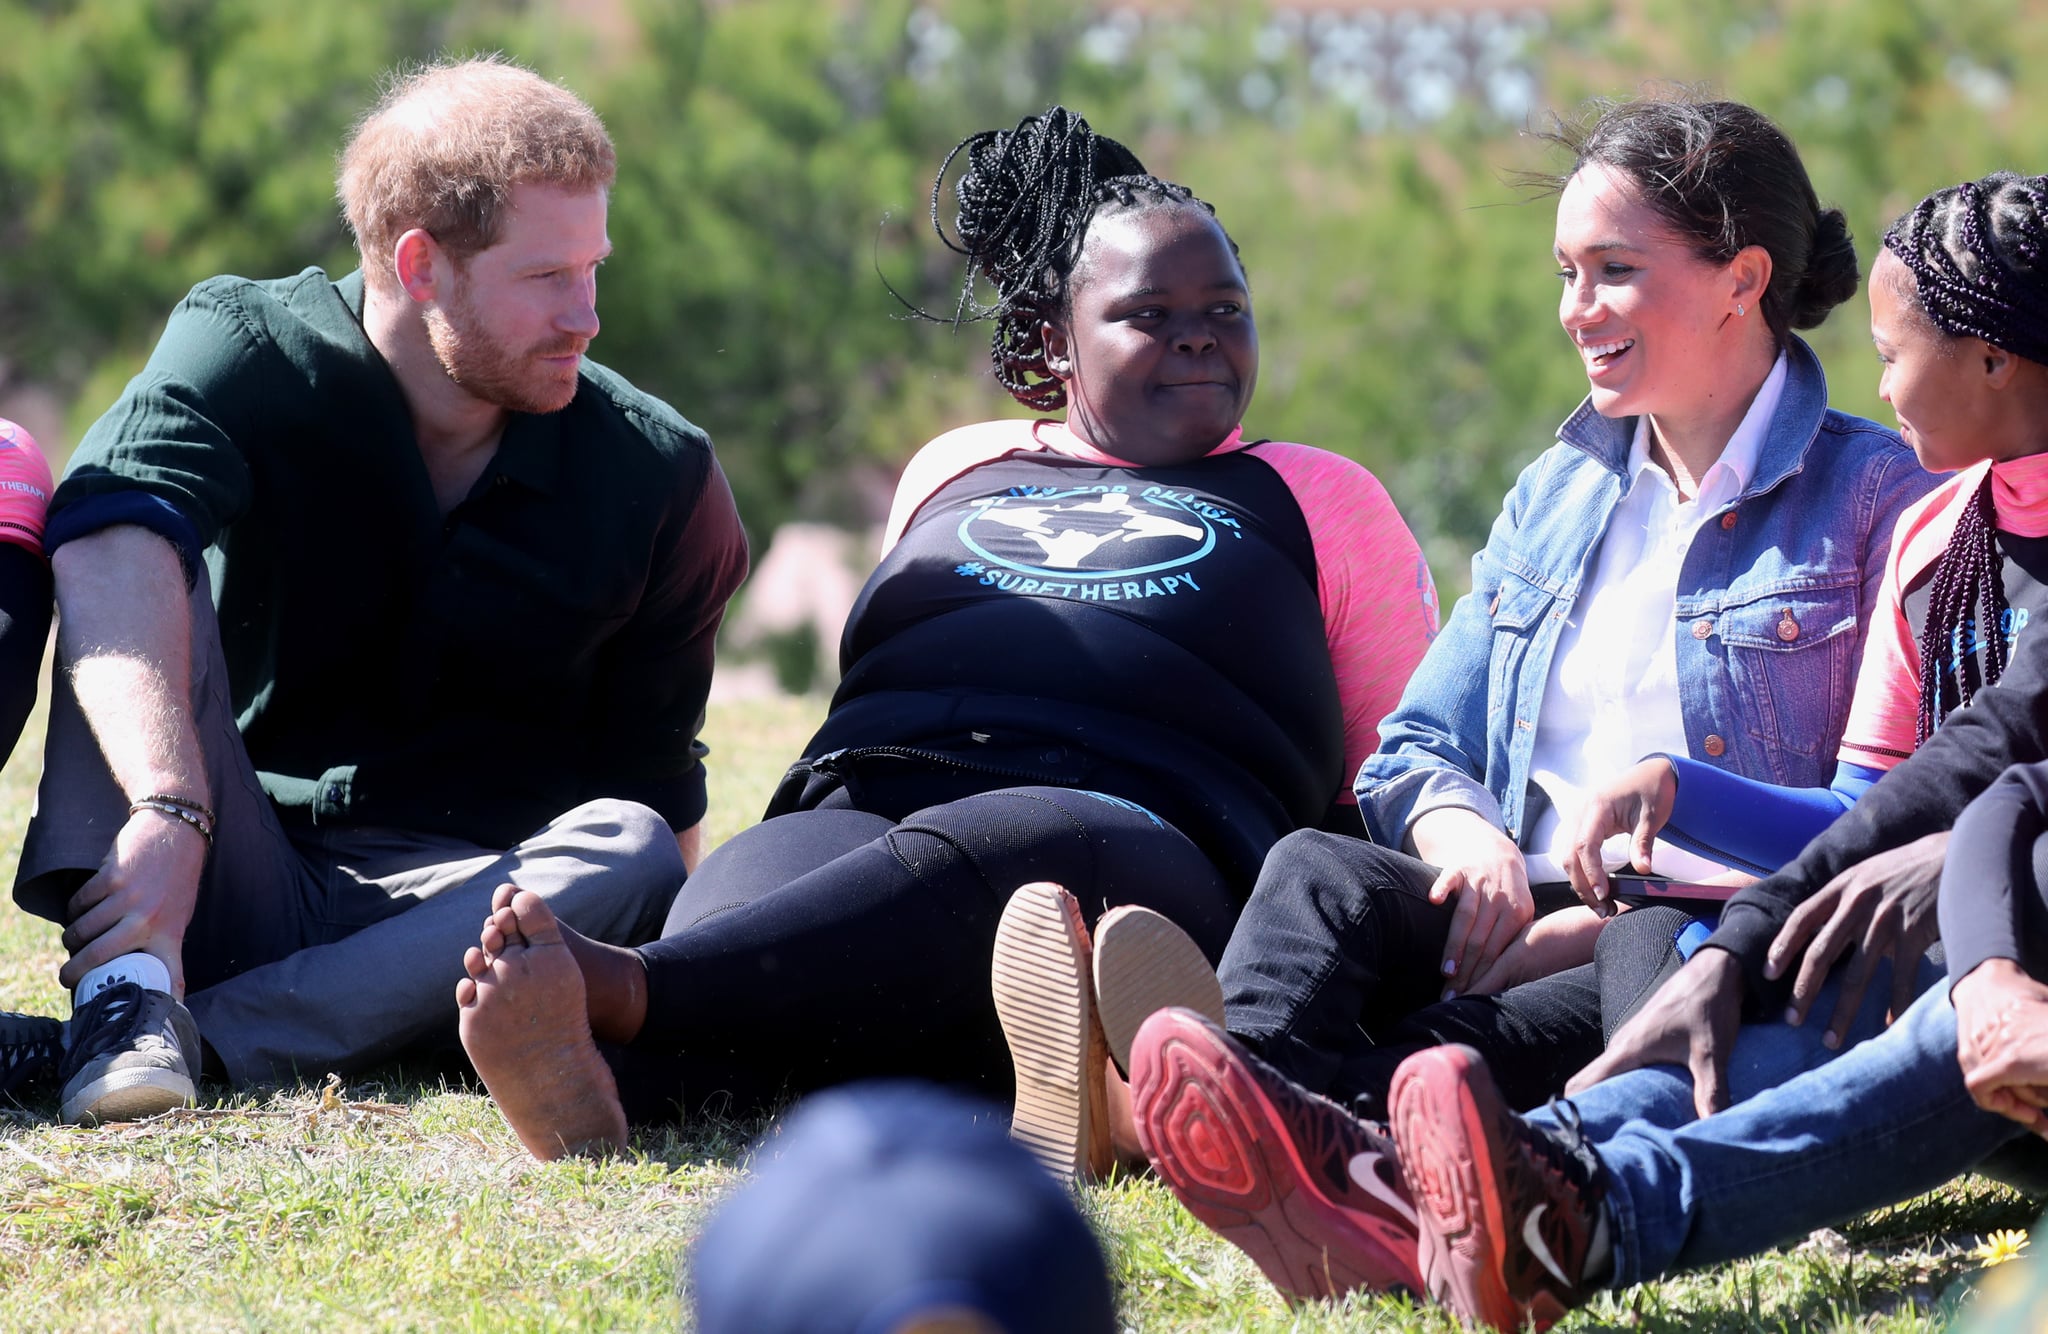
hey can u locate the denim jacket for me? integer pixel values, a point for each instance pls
(1775, 599)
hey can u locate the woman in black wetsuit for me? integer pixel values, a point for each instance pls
(1125, 651)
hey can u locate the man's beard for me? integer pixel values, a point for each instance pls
(488, 370)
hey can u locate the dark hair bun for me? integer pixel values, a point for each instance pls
(1723, 177)
(1831, 276)
(1024, 192)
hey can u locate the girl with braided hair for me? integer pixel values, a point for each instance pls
(1124, 649)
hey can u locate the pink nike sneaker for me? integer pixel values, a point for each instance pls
(1312, 1193)
(1509, 1208)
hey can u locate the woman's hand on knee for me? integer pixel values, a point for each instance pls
(1881, 908)
(1486, 882)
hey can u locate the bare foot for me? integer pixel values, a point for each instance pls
(524, 1025)
(614, 979)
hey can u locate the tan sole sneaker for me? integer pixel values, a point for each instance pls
(1144, 964)
(1046, 1003)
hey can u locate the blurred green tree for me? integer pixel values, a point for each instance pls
(775, 168)
(146, 144)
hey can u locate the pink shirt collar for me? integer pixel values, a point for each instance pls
(2019, 492)
(1061, 439)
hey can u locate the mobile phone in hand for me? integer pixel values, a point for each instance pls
(1635, 887)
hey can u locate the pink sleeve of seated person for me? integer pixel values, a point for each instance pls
(1379, 601)
(1884, 713)
(24, 488)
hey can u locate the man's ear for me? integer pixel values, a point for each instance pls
(1059, 349)
(419, 262)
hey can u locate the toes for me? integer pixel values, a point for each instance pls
(476, 963)
(465, 990)
(502, 896)
(536, 921)
(510, 926)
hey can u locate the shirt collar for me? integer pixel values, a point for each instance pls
(530, 453)
(1061, 438)
(1802, 411)
(2019, 493)
(1733, 471)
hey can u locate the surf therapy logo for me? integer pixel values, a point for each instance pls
(1092, 543)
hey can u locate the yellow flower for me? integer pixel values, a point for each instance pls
(2002, 1245)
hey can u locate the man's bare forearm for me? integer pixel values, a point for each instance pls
(124, 635)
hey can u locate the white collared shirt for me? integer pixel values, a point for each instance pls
(1612, 696)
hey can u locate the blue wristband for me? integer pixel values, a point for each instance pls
(1692, 937)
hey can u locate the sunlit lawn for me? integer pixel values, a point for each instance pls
(402, 1203)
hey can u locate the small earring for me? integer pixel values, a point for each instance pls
(1738, 310)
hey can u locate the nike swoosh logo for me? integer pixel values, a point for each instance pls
(1364, 1170)
(1532, 1237)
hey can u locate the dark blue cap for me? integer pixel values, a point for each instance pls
(881, 1201)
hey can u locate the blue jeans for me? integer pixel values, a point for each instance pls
(1812, 1138)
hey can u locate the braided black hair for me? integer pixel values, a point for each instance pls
(1970, 576)
(1026, 198)
(1978, 253)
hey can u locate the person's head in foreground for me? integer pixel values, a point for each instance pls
(477, 192)
(889, 1208)
(1690, 244)
(1119, 297)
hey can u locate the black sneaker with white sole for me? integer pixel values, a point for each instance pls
(132, 1054)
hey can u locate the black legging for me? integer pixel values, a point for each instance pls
(832, 944)
(1333, 976)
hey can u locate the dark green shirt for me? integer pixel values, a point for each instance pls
(548, 642)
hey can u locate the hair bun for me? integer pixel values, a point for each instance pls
(1831, 275)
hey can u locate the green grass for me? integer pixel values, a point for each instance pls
(398, 1203)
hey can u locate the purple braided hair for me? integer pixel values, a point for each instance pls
(1978, 253)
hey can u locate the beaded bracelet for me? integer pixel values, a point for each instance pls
(175, 800)
(176, 812)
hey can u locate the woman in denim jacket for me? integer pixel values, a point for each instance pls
(1691, 568)
(1695, 560)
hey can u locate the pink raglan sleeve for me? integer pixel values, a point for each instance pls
(1884, 714)
(1379, 601)
(24, 488)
